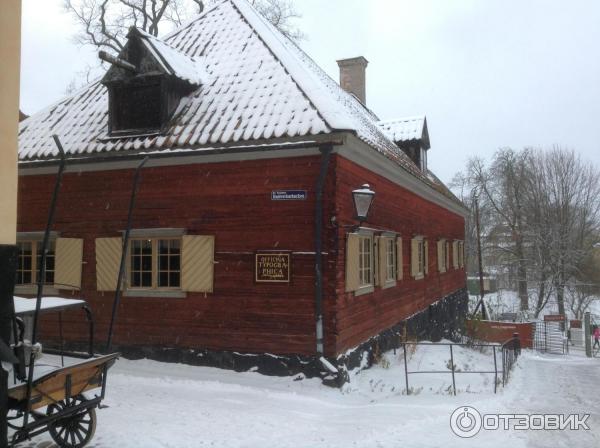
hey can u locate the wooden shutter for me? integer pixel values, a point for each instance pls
(426, 248)
(414, 257)
(197, 263)
(68, 258)
(455, 254)
(108, 260)
(440, 256)
(399, 259)
(382, 243)
(352, 254)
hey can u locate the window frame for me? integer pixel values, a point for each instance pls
(421, 257)
(365, 288)
(155, 267)
(35, 239)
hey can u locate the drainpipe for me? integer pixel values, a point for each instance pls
(325, 157)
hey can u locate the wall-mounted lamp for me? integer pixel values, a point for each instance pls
(363, 198)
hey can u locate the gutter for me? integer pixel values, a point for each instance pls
(132, 156)
(326, 151)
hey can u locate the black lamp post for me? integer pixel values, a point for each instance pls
(363, 198)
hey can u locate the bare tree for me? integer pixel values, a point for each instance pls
(568, 200)
(104, 23)
(502, 187)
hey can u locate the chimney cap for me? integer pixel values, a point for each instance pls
(359, 60)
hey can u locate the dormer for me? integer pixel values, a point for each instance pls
(145, 84)
(410, 135)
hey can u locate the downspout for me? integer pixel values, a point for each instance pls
(325, 157)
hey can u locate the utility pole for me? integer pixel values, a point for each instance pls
(480, 260)
(10, 52)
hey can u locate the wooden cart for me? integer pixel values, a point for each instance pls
(59, 400)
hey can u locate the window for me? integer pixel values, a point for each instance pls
(419, 257)
(365, 261)
(390, 252)
(29, 260)
(423, 160)
(160, 263)
(360, 263)
(442, 249)
(155, 263)
(136, 107)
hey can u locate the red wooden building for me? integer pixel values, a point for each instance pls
(244, 234)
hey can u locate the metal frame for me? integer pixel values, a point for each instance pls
(510, 351)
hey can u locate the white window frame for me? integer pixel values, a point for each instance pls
(365, 287)
(155, 236)
(421, 258)
(391, 260)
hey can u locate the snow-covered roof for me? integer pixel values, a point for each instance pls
(406, 129)
(261, 86)
(174, 61)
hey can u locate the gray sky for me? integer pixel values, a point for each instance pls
(487, 73)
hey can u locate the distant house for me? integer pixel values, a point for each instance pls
(244, 235)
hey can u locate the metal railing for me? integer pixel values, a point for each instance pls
(509, 350)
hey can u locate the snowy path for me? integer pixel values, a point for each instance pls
(167, 405)
(557, 384)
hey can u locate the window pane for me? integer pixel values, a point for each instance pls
(163, 279)
(146, 279)
(174, 279)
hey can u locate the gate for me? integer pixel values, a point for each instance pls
(550, 337)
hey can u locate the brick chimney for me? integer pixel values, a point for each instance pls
(353, 76)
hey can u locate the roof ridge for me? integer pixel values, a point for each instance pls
(396, 120)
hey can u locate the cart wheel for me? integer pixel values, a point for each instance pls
(74, 431)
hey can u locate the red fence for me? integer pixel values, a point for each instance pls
(493, 331)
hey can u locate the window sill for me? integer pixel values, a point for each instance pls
(364, 290)
(155, 293)
(31, 290)
(419, 276)
(389, 284)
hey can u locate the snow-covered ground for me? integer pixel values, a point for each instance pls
(155, 404)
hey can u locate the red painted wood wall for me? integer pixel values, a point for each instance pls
(233, 202)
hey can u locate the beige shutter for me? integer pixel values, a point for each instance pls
(426, 244)
(382, 260)
(197, 263)
(68, 258)
(440, 256)
(352, 254)
(108, 260)
(414, 257)
(455, 254)
(376, 261)
(399, 259)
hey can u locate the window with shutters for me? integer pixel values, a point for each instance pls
(159, 263)
(155, 263)
(30, 259)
